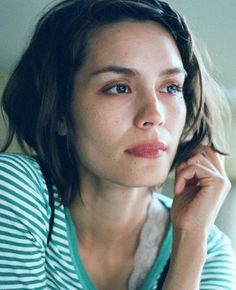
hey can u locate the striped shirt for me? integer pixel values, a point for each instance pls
(26, 262)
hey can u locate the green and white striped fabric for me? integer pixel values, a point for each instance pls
(26, 262)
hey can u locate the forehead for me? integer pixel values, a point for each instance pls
(131, 40)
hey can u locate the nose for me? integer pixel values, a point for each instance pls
(150, 115)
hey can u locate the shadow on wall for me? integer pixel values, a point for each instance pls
(227, 215)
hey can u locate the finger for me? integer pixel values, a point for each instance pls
(216, 159)
(199, 158)
(203, 175)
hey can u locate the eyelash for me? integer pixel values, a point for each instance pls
(178, 89)
(108, 90)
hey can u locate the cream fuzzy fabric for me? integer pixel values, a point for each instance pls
(150, 239)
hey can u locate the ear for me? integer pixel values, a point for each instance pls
(62, 128)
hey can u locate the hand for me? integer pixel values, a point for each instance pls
(201, 185)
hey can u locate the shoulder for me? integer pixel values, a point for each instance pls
(20, 170)
(22, 173)
(21, 176)
(217, 239)
(23, 223)
(23, 195)
(220, 265)
(19, 163)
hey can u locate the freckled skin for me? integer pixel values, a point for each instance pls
(129, 92)
(107, 125)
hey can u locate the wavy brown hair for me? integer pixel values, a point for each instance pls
(39, 92)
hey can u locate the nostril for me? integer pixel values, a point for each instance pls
(150, 115)
(145, 124)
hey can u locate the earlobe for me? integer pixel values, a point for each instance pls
(62, 128)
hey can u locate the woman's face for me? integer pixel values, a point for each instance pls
(128, 106)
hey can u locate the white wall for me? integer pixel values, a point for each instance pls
(214, 23)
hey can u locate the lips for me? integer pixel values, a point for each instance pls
(148, 150)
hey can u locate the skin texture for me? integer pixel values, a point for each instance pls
(108, 124)
(128, 92)
(201, 185)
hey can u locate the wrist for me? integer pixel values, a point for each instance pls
(193, 243)
(191, 237)
(189, 251)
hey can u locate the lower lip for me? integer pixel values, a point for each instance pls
(146, 153)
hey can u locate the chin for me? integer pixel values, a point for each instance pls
(146, 173)
(145, 180)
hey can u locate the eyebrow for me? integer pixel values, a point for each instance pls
(174, 71)
(133, 72)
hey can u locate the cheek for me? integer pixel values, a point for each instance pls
(177, 113)
(181, 117)
(88, 124)
(99, 133)
(176, 120)
(97, 126)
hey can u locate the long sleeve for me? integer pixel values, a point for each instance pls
(24, 213)
(219, 272)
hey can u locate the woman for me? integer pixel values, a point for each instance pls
(109, 98)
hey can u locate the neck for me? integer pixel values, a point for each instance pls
(107, 215)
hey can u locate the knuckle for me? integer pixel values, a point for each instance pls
(224, 182)
(195, 159)
(195, 166)
(192, 161)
